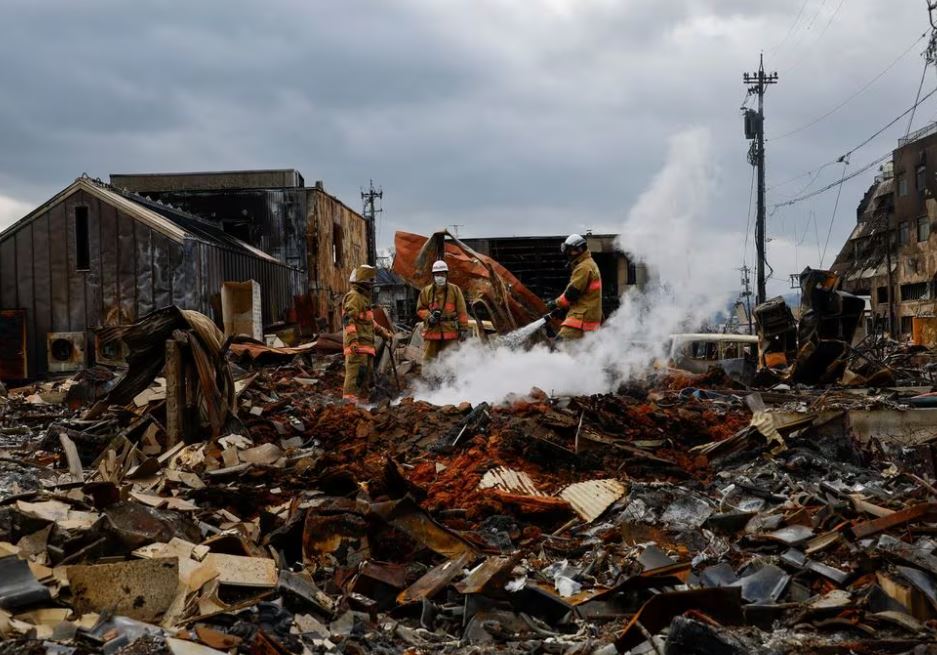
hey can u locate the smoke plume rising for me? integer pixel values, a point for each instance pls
(662, 231)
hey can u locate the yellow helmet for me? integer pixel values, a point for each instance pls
(363, 273)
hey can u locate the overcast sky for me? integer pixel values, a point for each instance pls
(503, 116)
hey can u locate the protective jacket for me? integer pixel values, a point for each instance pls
(583, 296)
(358, 322)
(450, 301)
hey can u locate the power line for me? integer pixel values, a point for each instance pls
(854, 95)
(833, 216)
(820, 37)
(790, 30)
(794, 201)
(858, 147)
(748, 222)
(917, 98)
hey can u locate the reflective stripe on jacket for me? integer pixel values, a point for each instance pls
(450, 301)
(583, 296)
(357, 322)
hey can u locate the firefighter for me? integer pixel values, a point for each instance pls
(582, 298)
(441, 307)
(359, 330)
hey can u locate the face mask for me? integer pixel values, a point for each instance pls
(440, 280)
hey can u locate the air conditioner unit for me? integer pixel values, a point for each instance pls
(65, 351)
(113, 352)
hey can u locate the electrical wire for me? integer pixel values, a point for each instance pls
(790, 30)
(829, 230)
(794, 201)
(854, 95)
(917, 99)
(819, 38)
(748, 223)
(845, 156)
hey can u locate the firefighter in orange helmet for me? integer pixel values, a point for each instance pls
(359, 330)
(582, 298)
(441, 307)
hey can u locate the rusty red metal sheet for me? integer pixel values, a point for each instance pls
(484, 281)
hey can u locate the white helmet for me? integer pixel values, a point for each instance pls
(440, 267)
(572, 241)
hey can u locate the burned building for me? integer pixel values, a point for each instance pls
(398, 297)
(273, 210)
(95, 256)
(541, 267)
(891, 255)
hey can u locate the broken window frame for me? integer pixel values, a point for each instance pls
(904, 233)
(923, 228)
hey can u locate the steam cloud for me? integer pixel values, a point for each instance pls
(662, 231)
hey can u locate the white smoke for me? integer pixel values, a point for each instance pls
(662, 231)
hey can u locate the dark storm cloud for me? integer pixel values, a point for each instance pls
(506, 116)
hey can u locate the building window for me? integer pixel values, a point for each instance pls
(903, 233)
(916, 291)
(921, 179)
(902, 185)
(337, 245)
(881, 294)
(923, 228)
(906, 325)
(82, 245)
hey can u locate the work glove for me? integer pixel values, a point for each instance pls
(551, 306)
(354, 349)
(434, 317)
(462, 335)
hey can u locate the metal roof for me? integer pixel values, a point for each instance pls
(169, 221)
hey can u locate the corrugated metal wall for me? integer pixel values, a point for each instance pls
(133, 270)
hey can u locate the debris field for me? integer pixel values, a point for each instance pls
(682, 514)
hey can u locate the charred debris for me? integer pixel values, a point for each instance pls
(216, 496)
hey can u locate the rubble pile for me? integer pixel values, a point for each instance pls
(675, 516)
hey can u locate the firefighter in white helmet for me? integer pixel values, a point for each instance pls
(359, 329)
(582, 299)
(441, 307)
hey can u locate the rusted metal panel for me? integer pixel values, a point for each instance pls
(93, 302)
(143, 240)
(59, 260)
(13, 345)
(484, 281)
(8, 273)
(24, 282)
(76, 278)
(107, 229)
(336, 238)
(42, 285)
(163, 250)
(178, 277)
(126, 268)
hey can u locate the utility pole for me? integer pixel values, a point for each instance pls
(455, 229)
(370, 212)
(755, 131)
(746, 293)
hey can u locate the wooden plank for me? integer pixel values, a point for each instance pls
(175, 396)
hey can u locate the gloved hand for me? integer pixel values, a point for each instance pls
(551, 306)
(434, 317)
(462, 335)
(354, 349)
